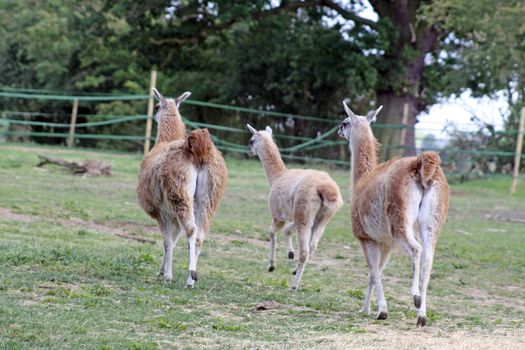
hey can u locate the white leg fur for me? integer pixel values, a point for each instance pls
(288, 232)
(170, 233)
(318, 230)
(303, 237)
(374, 262)
(192, 264)
(165, 240)
(273, 229)
(385, 255)
(413, 248)
(428, 227)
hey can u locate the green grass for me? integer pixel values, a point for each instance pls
(68, 283)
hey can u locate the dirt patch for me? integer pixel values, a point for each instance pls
(518, 218)
(265, 306)
(9, 215)
(482, 297)
(62, 151)
(76, 223)
(125, 230)
(237, 236)
(456, 192)
(377, 337)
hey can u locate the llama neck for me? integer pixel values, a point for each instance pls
(364, 155)
(170, 127)
(272, 161)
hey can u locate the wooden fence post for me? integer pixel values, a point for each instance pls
(151, 102)
(402, 150)
(517, 154)
(72, 125)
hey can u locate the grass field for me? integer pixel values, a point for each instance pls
(67, 280)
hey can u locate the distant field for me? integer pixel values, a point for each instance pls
(67, 280)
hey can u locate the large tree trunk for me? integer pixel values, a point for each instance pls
(396, 141)
(403, 77)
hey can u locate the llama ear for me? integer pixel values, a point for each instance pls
(159, 97)
(349, 112)
(371, 116)
(251, 128)
(182, 98)
(269, 130)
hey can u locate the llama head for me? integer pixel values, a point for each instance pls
(198, 145)
(167, 104)
(256, 139)
(354, 123)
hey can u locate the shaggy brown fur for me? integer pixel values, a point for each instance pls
(181, 183)
(387, 201)
(306, 199)
(198, 146)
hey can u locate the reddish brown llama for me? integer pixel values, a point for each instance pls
(388, 201)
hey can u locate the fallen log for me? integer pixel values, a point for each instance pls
(89, 167)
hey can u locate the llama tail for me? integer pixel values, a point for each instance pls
(330, 196)
(198, 146)
(426, 165)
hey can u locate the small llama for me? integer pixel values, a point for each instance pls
(388, 200)
(302, 199)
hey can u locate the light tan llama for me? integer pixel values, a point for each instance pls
(304, 199)
(388, 200)
(165, 173)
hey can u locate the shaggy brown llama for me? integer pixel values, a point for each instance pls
(181, 183)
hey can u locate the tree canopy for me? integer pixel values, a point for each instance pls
(301, 57)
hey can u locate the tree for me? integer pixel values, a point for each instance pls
(294, 56)
(489, 46)
(395, 46)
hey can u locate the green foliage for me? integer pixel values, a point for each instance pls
(299, 57)
(486, 49)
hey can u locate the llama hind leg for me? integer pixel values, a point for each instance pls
(413, 248)
(427, 260)
(170, 235)
(385, 254)
(373, 257)
(318, 230)
(190, 230)
(303, 238)
(429, 225)
(288, 232)
(166, 243)
(274, 228)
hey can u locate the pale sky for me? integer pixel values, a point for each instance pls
(459, 110)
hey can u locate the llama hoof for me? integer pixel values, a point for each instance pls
(421, 321)
(383, 315)
(294, 272)
(290, 255)
(193, 275)
(417, 301)
(188, 286)
(271, 268)
(293, 289)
